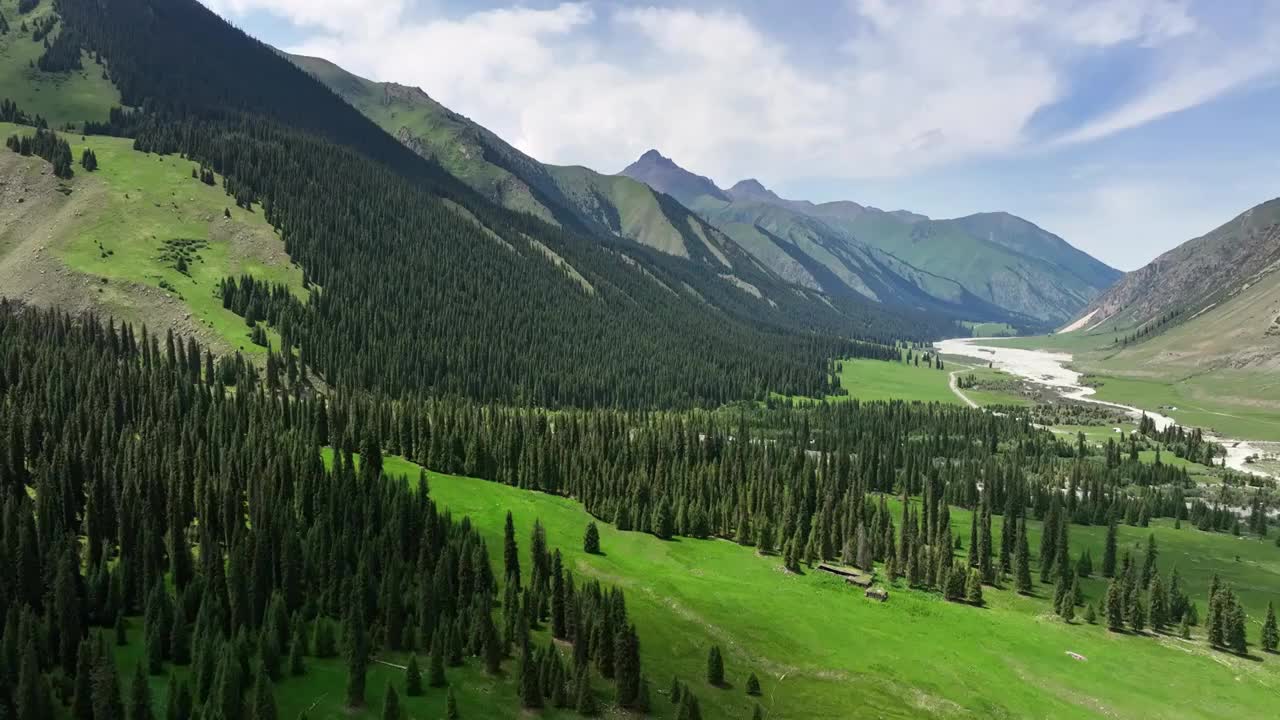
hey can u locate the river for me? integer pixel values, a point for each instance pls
(1050, 370)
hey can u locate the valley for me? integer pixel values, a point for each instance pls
(322, 397)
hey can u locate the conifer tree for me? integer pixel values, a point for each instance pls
(753, 684)
(715, 667)
(591, 540)
(140, 695)
(1109, 552)
(356, 647)
(107, 702)
(82, 693)
(264, 701)
(511, 553)
(1270, 633)
(1090, 614)
(973, 587)
(390, 703)
(1022, 561)
(435, 668)
(1115, 606)
(585, 699)
(31, 697)
(412, 677)
(530, 688)
(451, 705)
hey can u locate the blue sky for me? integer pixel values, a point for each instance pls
(1126, 126)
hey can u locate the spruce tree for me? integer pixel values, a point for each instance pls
(451, 706)
(140, 695)
(585, 699)
(31, 696)
(1115, 606)
(356, 649)
(412, 678)
(435, 667)
(264, 701)
(107, 702)
(753, 684)
(1109, 552)
(1022, 561)
(591, 540)
(973, 587)
(715, 667)
(530, 688)
(1270, 633)
(390, 703)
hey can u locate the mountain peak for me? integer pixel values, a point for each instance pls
(662, 174)
(751, 189)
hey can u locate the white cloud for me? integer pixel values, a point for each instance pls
(915, 84)
(364, 16)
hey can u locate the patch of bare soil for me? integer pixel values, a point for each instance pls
(38, 212)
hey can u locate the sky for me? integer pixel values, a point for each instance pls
(1125, 126)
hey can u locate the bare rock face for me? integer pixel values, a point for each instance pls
(1200, 273)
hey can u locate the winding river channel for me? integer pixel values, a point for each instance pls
(1050, 370)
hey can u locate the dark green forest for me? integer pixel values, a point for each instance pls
(408, 296)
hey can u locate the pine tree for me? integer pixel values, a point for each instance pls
(1270, 633)
(591, 540)
(715, 667)
(585, 699)
(435, 668)
(973, 587)
(180, 701)
(390, 703)
(356, 648)
(1022, 561)
(31, 696)
(107, 703)
(140, 695)
(82, 694)
(510, 553)
(1109, 552)
(1090, 615)
(1149, 561)
(530, 688)
(264, 701)
(753, 684)
(412, 678)
(1115, 606)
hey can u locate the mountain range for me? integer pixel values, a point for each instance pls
(991, 266)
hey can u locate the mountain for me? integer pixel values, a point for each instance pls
(243, 202)
(991, 265)
(1213, 301)
(574, 197)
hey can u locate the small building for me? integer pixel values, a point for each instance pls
(877, 593)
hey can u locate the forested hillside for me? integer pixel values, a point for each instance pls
(297, 422)
(416, 283)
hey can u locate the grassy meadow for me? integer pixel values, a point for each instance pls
(60, 98)
(122, 222)
(820, 648)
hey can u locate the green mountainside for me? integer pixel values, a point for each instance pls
(297, 422)
(991, 266)
(814, 246)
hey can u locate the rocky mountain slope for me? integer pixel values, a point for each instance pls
(1199, 274)
(986, 265)
(1213, 301)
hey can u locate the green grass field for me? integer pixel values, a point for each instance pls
(868, 380)
(821, 649)
(121, 217)
(60, 98)
(990, 329)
